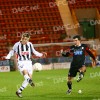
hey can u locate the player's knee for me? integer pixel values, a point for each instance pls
(30, 75)
(69, 82)
(24, 72)
(70, 78)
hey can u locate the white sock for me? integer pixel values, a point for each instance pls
(20, 89)
(24, 85)
(27, 77)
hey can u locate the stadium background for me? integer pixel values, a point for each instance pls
(51, 24)
(48, 21)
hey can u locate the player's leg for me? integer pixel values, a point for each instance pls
(24, 84)
(30, 72)
(82, 70)
(31, 81)
(72, 73)
(69, 84)
(27, 77)
(23, 68)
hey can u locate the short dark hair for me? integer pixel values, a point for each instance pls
(26, 35)
(77, 36)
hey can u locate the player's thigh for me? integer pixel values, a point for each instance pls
(30, 68)
(21, 67)
(24, 72)
(72, 72)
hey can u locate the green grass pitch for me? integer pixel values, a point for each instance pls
(51, 85)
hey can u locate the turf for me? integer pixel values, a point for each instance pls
(51, 85)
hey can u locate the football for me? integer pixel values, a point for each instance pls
(79, 91)
(37, 67)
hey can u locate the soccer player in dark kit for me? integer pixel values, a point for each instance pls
(78, 63)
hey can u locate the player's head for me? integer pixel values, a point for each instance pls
(25, 38)
(77, 39)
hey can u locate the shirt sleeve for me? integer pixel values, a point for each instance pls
(89, 52)
(65, 54)
(68, 53)
(36, 52)
(11, 52)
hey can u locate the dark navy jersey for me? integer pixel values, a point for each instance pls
(79, 54)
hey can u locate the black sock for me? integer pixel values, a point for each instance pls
(69, 84)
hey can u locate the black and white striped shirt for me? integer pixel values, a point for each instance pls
(24, 52)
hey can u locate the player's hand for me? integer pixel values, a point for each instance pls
(61, 51)
(93, 63)
(3, 57)
(44, 54)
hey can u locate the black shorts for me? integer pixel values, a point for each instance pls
(73, 70)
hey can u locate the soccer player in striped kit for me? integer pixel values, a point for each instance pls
(24, 50)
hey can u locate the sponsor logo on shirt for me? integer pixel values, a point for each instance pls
(78, 53)
(24, 53)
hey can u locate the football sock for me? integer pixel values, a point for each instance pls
(81, 73)
(20, 89)
(24, 85)
(69, 84)
(27, 77)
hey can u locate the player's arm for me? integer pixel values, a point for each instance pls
(11, 52)
(38, 54)
(90, 53)
(92, 56)
(68, 53)
(65, 54)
